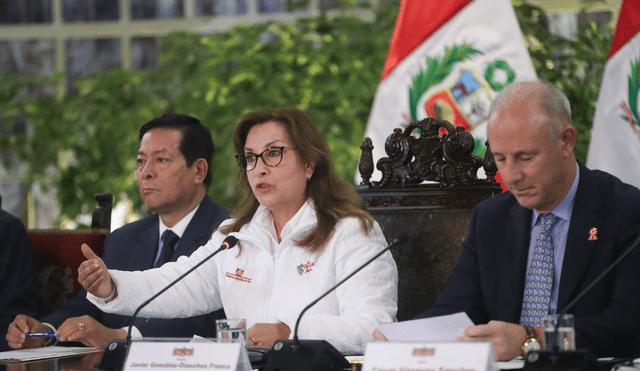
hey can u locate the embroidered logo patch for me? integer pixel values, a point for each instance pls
(305, 268)
(238, 276)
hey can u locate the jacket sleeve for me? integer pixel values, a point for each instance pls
(203, 325)
(74, 307)
(185, 299)
(18, 293)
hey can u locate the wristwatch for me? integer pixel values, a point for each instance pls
(531, 343)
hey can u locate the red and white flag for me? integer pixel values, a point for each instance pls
(448, 59)
(615, 138)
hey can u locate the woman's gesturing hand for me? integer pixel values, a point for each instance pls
(93, 274)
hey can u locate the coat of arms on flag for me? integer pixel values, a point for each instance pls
(466, 100)
(448, 60)
(631, 110)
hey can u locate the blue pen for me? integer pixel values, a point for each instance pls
(42, 335)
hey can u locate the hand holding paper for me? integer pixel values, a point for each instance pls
(506, 338)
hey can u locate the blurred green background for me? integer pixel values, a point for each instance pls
(329, 67)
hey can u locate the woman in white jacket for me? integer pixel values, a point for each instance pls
(301, 229)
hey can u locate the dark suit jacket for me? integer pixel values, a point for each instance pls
(133, 247)
(18, 294)
(488, 282)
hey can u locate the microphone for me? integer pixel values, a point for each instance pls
(116, 349)
(560, 360)
(315, 355)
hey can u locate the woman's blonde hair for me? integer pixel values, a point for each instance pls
(334, 198)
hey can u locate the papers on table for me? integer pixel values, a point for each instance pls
(23, 355)
(437, 329)
(514, 364)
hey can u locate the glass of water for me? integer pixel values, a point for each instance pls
(232, 330)
(566, 338)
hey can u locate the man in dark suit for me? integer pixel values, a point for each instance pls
(594, 216)
(18, 292)
(174, 163)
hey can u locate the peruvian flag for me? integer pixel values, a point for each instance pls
(447, 59)
(615, 138)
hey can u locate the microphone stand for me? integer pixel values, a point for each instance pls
(315, 355)
(117, 348)
(556, 346)
(557, 359)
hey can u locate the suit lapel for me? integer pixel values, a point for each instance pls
(517, 231)
(579, 249)
(197, 232)
(145, 247)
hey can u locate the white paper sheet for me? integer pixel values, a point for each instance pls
(514, 364)
(436, 329)
(23, 355)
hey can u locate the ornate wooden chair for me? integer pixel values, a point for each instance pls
(428, 188)
(57, 255)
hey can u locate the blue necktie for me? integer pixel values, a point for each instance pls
(168, 243)
(539, 280)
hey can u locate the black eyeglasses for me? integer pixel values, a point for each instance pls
(270, 156)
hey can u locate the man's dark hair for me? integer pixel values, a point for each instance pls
(196, 139)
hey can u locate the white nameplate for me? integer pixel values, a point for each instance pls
(185, 356)
(459, 356)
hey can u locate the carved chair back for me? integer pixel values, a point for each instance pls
(57, 255)
(428, 188)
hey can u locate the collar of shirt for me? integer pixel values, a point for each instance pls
(559, 235)
(266, 222)
(180, 227)
(564, 209)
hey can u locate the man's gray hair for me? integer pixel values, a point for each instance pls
(553, 103)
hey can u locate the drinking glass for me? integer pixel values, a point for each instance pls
(566, 338)
(231, 330)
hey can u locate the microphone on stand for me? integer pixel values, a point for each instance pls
(556, 359)
(315, 355)
(114, 355)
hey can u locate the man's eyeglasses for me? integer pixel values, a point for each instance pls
(270, 156)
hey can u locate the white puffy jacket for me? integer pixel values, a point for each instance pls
(265, 288)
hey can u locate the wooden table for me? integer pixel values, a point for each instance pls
(83, 362)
